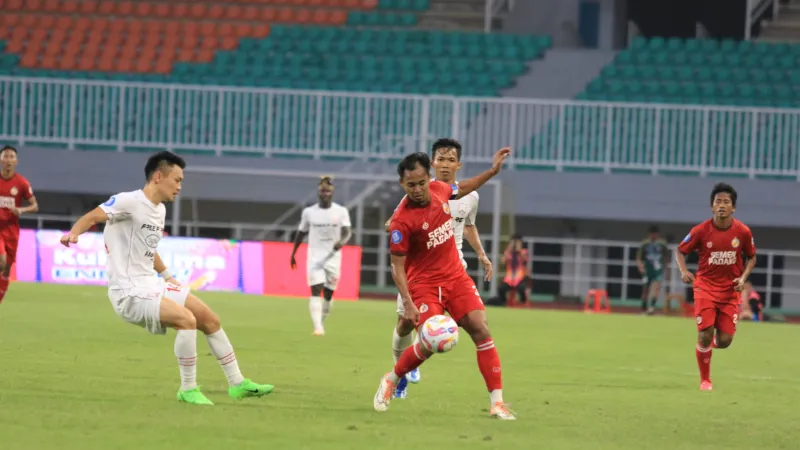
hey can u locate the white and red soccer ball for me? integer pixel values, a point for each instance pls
(439, 334)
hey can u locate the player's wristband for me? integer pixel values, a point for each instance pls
(165, 274)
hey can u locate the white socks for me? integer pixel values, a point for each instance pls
(400, 343)
(315, 308)
(186, 352)
(496, 396)
(221, 348)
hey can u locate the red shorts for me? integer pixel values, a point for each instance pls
(457, 297)
(720, 311)
(8, 245)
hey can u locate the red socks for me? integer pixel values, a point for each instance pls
(489, 365)
(704, 362)
(409, 360)
(3, 287)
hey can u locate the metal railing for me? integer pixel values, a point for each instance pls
(560, 135)
(558, 266)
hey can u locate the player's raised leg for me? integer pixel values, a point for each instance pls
(413, 356)
(315, 309)
(183, 321)
(208, 322)
(466, 308)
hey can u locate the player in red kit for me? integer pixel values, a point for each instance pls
(13, 189)
(427, 270)
(722, 243)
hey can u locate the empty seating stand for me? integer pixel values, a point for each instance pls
(349, 45)
(702, 71)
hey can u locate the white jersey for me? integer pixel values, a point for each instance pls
(324, 228)
(463, 212)
(134, 229)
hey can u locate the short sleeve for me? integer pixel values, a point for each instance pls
(303, 221)
(120, 206)
(449, 191)
(346, 217)
(691, 242)
(473, 211)
(748, 243)
(399, 238)
(27, 190)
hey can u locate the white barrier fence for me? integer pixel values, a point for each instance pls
(557, 135)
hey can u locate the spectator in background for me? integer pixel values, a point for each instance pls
(515, 259)
(750, 305)
(652, 259)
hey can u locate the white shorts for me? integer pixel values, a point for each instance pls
(142, 306)
(401, 309)
(325, 272)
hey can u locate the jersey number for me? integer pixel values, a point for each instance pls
(173, 288)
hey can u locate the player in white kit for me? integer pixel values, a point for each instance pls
(328, 227)
(446, 161)
(134, 226)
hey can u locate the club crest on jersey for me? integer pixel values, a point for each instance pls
(425, 226)
(397, 237)
(462, 209)
(446, 208)
(709, 245)
(14, 190)
(424, 308)
(735, 243)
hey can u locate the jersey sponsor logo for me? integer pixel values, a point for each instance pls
(446, 208)
(397, 237)
(8, 202)
(440, 235)
(687, 238)
(458, 219)
(14, 190)
(722, 258)
(111, 201)
(152, 240)
(735, 243)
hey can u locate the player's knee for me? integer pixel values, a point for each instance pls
(724, 340)
(477, 327)
(316, 290)
(705, 337)
(186, 321)
(211, 323)
(327, 294)
(404, 326)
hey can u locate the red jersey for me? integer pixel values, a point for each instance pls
(720, 255)
(12, 191)
(424, 234)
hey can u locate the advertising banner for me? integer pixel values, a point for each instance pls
(260, 268)
(281, 280)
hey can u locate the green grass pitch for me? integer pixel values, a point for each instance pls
(74, 376)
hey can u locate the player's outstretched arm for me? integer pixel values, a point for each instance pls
(474, 239)
(472, 184)
(83, 224)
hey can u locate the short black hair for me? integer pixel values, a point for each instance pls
(446, 143)
(724, 188)
(411, 161)
(161, 161)
(8, 147)
(516, 237)
(653, 229)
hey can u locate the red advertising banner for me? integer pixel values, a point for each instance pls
(281, 280)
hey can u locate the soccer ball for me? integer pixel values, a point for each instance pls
(439, 334)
